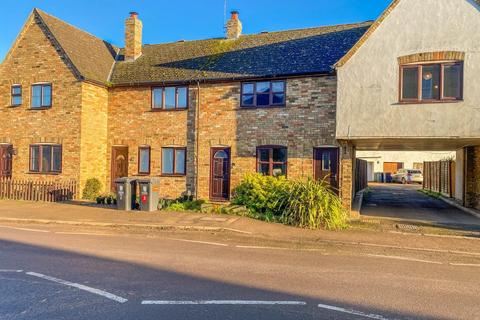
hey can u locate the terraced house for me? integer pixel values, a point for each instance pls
(199, 114)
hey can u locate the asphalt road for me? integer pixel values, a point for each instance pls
(406, 202)
(48, 272)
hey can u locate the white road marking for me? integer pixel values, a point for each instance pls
(105, 294)
(223, 302)
(201, 242)
(464, 264)
(283, 248)
(354, 312)
(10, 270)
(260, 247)
(84, 233)
(402, 258)
(25, 229)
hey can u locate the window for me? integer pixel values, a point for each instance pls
(173, 161)
(16, 95)
(46, 158)
(144, 160)
(272, 161)
(170, 98)
(431, 82)
(41, 96)
(263, 94)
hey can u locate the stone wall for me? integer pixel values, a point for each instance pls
(32, 59)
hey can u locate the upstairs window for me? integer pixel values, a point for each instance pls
(272, 161)
(46, 158)
(16, 95)
(431, 82)
(144, 160)
(41, 96)
(169, 98)
(263, 94)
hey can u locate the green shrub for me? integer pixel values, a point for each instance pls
(92, 189)
(184, 203)
(263, 195)
(176, 206)
(312, 204)
(307, 204)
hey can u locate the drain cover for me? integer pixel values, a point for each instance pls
(407, 226)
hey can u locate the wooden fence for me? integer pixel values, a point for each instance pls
(49, 191)
(439, 176)
(361, 179)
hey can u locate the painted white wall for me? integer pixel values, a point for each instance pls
(407, 157)
(368, 83)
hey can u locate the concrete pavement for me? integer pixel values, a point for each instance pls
(198, 275)
(78, 217)
(405, 202)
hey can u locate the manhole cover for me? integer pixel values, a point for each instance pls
(407, 227)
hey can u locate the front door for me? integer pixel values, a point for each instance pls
(6, 155)
(119, 164)
(326, 165)
(220, 174)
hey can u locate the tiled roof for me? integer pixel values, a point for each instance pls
(285, 53)
(91, 56)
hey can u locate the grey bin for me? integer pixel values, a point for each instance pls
(126, 193)
(149, 189)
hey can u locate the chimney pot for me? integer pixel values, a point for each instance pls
(234, 26)
(133, 14)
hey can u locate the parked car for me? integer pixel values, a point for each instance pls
(408, 176)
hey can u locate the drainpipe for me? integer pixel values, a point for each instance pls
(197, 138)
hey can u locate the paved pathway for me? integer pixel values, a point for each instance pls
(406, 202)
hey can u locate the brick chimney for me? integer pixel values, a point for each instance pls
(133, 37)
(234, 26)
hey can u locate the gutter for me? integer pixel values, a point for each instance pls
(226, 80)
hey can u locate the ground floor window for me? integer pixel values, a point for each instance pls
(46, 158)
(174, 161)
(272, 160)
(144, 160)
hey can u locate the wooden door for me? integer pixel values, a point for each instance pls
(119, 164)
(6, 158)
(220, 174)
(392, 167)
(326, 165)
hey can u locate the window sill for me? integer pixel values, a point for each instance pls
(172, 175)
(427, 102)
(13, 106)
(45, 173)
(168, 110)
(42, 108)
(260, 107)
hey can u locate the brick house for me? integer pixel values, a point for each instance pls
(198, 114)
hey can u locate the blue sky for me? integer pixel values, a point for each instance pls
(172, 20)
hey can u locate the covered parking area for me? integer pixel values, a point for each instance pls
(397, 201)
